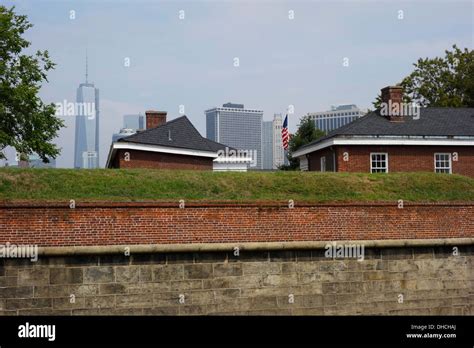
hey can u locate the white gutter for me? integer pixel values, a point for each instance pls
(233, 159)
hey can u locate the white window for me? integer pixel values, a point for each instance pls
(379, 162)
(442, 163)
(323, 163)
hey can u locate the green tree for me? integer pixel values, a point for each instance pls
(306, 133)
(443, 82)
(26, 123)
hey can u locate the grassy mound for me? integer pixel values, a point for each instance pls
(167, 185)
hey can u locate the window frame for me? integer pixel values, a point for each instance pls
(386, 162)
(450, 159)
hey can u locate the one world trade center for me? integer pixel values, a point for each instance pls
(86, 151)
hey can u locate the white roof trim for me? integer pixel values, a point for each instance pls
(156, 148)
(381, 141)
(233, 159)
(110, 155)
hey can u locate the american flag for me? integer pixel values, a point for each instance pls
(285, 137)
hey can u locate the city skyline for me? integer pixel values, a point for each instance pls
(159, 60)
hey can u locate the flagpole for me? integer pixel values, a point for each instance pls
(285, 159)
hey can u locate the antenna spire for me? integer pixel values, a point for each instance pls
(87, 69)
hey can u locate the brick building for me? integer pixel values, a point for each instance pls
(172, 145)
(437, 140)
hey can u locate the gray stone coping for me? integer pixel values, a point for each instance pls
(251, 246)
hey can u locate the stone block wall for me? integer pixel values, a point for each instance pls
(431, 281)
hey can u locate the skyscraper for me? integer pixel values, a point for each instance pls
(267, 145)
(278, 152)
(237, 127)
(86, 152)
(133, 122)
(336, 117)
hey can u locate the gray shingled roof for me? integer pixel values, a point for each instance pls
(182, 133)
(432, 122)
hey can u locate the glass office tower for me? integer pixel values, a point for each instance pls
(237, 127)
(86, 153)
(267, 145)
(336, 117)
(134, 122)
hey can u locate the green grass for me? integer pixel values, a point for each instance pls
(147, 185)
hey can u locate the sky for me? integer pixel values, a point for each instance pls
(289, 52)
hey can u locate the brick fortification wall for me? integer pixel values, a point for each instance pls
(140, 223)
(425, 278)
(431, 280)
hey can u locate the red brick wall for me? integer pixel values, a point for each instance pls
(404, 158)
(141, 223)
(156, 160)
(314, 160)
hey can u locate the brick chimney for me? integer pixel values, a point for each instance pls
(155, 118)
(392, 103)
